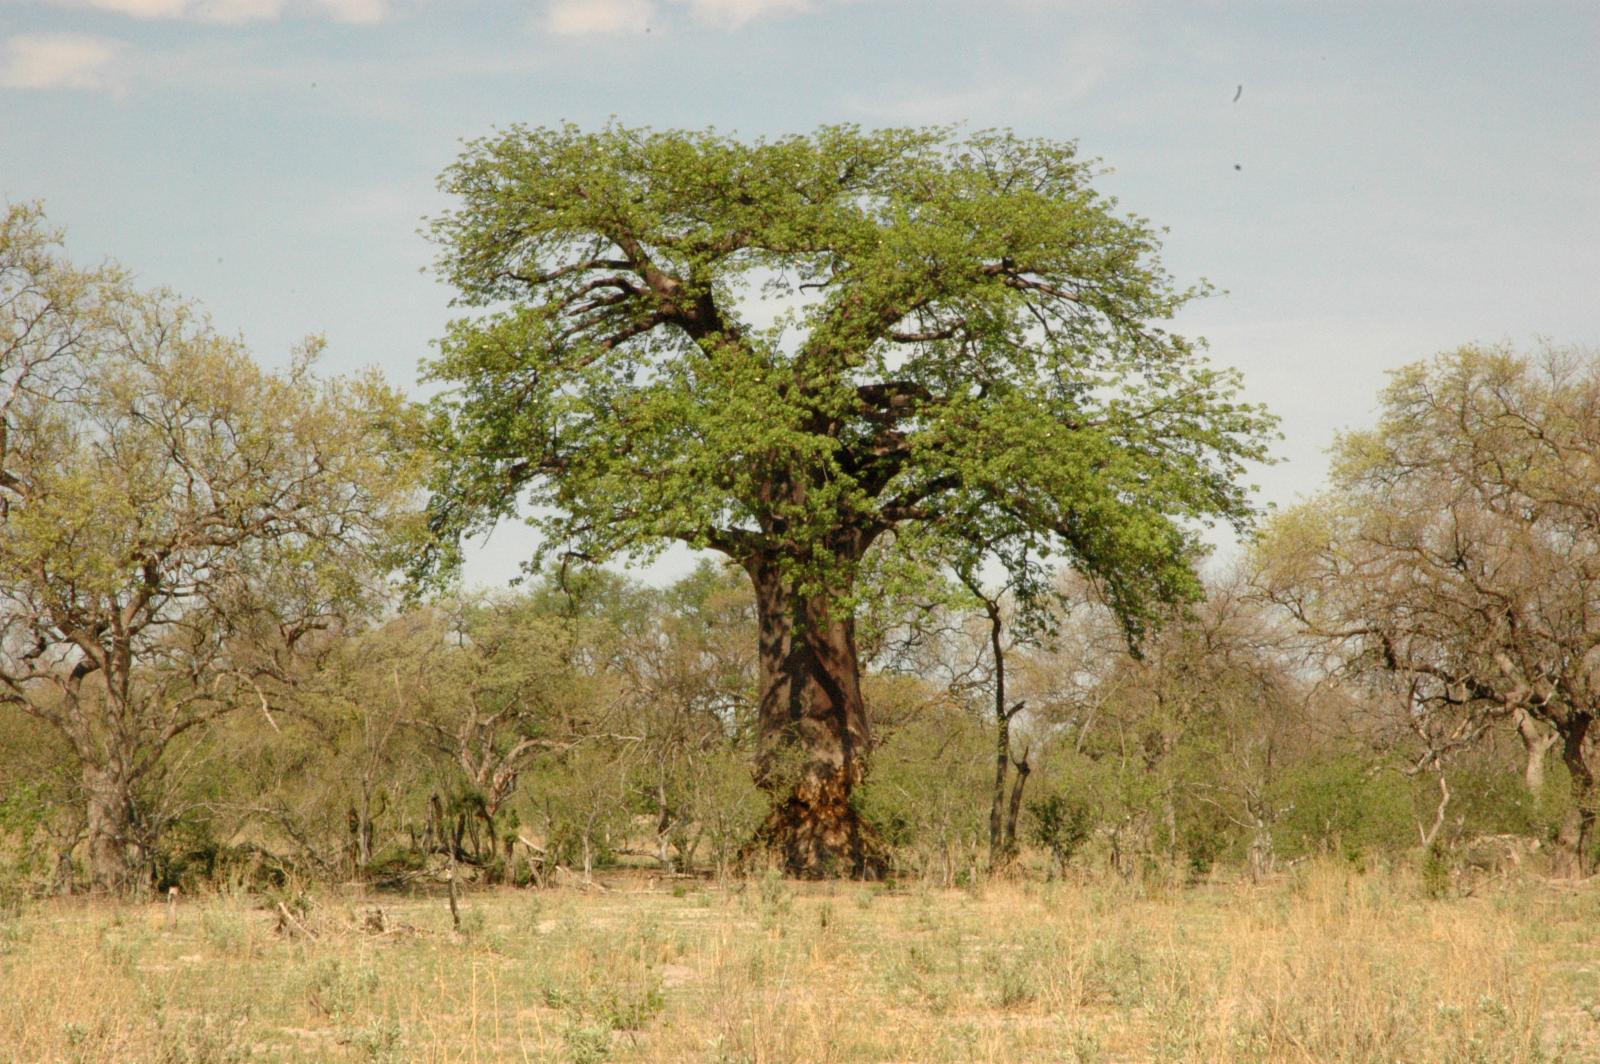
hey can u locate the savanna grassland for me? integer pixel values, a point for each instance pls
(1324, 963)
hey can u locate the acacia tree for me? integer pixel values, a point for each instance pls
(1460, 553)
(968, 336)
(174, 521)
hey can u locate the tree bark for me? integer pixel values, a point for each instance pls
(1261, 856)
(1576, 833)
(814, 734)
(999, 852)
(664, 824)
(115, 858)
(1014, 806)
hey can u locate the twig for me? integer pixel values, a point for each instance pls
(286, 919)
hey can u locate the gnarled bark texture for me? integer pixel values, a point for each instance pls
(813, 730)
(116, 859)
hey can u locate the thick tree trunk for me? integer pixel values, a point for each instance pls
(359, 824)
(116, 861)
(664, 825)
(813, 731)
(1576, 834)
(1261, 856)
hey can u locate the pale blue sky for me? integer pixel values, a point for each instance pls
(1394, 178)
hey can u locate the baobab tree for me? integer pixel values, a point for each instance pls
(966, 336)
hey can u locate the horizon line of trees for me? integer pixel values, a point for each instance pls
(208, 669)
(536, 736)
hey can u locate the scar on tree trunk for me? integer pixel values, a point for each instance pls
(814, 735)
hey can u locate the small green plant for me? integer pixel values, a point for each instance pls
(12, 934)
(776, 899)
(473, 922)
(1061, 824)
(123, 951)
(530, 917)
(631, 1008)
(1086, 1047)
(335, 989)
(224, 930)
(774, 892)
(587, 1043)
(207, 1039)
(621, 1003)
(379, 1041)
(1437, 881)
(1012, 982)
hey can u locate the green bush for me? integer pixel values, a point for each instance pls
(1493, 799)
(928, 793)
(1060, 823)
(1346, 806)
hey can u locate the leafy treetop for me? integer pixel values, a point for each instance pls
(967, 340)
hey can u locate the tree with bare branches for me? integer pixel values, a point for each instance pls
(1460, 552)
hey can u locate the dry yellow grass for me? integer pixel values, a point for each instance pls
(1326, 965)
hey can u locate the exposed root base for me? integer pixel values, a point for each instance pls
(818, 841)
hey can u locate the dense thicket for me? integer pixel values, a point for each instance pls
(179, 528)
(584, 723)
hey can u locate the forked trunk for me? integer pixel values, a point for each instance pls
(1000, 849)
(1014, 805)
(116, 861)
(813, 730)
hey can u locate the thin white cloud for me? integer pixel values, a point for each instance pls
(592, 17)
(141, 8)
(735, 13)
(232, 11)
(356, 10)
(237, 11)
(987, 96)
(58, 61)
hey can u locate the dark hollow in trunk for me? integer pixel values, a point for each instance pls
(813, 731)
